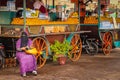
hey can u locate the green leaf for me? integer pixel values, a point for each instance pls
(59, 48)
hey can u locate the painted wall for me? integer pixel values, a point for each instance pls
(114, 1)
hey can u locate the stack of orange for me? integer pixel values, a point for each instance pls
(74, 14)
(91, 20)
(37, 21)
(17, 21)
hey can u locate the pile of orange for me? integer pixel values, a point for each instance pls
(91, 20)
(74, 14)
(109, 19)
(37, 21)
(29, 21)
(105, 19)
(17, 21)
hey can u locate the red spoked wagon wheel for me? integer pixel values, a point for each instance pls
(42, 47)
(75, 53)
(107, 43)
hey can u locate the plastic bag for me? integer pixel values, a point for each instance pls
(32, 51)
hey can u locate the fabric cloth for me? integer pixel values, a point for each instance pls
(24, 39)
(39, 6)
(42, 9)
(27, 62)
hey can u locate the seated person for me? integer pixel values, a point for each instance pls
(27, 61)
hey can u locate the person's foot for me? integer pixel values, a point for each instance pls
(24, 75)
(34, 73)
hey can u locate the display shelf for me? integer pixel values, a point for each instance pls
(104, 30)
(11, 26)
(10, 30)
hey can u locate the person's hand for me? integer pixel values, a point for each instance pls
(23, 48)
(31, 46)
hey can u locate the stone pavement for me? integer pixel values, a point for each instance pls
(98, 67)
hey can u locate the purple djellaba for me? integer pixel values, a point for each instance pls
(27, 62)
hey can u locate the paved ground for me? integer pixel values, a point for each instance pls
(98, 67)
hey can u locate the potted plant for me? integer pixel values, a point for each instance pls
(60, 50)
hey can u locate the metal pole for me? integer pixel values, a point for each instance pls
(79, 10)
(46, 3)
(53, 3)
(99, 9)
(24, 13)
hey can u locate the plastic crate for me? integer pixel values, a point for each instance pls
(6, 17)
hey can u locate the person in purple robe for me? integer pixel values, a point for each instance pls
(26, 61)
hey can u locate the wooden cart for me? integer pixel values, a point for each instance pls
(42, 37)
(46, 32)
(104, 29)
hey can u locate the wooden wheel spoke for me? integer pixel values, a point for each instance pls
(73, 44)
(110, 40)
(41, 59)
(37, 56)
(108, 43)
(106, 49)
(72, 51)
(42, 45)
(74, 47)
(106, 46)
(44, 48)
(76, 38)
(75, 55)
(37, 44)
(107, 37)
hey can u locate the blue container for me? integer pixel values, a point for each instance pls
(53, 16)
(117, 44)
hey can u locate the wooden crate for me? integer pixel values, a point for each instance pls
(10, 62)
(34, 29)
